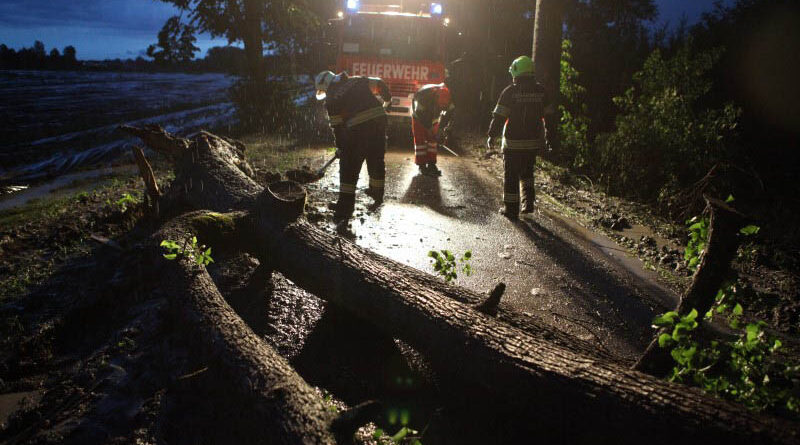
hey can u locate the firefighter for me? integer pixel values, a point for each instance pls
(519, 114)
(358, 120)
(431, 109)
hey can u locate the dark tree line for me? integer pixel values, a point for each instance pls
(219, 59)
(37, 57)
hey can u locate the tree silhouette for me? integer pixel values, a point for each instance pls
(175, 43)
(284, 26)
(70, 55)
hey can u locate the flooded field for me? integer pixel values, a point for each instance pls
(52, 121)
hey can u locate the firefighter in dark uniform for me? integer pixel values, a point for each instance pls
(431, 109)
(519, 115)
(358, 121)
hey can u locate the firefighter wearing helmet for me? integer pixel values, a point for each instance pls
(431, 109)
(519, 115)
(358, 121)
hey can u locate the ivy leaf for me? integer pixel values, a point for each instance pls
(750, 230)
(169, 244)
(691, 316)
(170, 256)
(738, 310)
(698, 226)
(729, 199)
(400, 434)
(664, 340)
(666, 319)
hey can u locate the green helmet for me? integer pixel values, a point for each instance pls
(521, 66)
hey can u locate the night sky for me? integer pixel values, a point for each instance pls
(101, 29)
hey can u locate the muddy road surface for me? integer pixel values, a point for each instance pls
(555, 270)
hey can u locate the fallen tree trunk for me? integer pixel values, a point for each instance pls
(568, 392)
(212, 161)
(565, 392)
(714, 269)
(282, 408)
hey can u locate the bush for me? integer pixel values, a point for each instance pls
(574, 124)
(664, 141)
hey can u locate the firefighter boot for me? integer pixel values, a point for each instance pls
(375, 190)
(376, 194)
(510, 210)
(344, 207)
(432, 170)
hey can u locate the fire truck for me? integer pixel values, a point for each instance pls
(400, 41)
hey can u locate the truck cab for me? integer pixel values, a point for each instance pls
(402, 45)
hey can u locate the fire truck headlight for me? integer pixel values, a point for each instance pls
(436, 9)
(352, 5)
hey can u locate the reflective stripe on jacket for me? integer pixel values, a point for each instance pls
(350, 102)
(518, 115)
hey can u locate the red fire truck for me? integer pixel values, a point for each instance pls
(390, 39)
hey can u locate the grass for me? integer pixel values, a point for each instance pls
(280, 154)
(38, 237)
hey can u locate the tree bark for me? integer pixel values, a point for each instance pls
(253, 40)
(282, 408)
(714, 269)
(547, 59)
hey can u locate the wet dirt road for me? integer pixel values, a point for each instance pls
(555, 270)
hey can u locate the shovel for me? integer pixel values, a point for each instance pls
(305, 175)
(322, 169)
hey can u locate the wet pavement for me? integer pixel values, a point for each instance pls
(554, 269)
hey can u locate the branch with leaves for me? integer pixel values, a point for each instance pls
(190, 248)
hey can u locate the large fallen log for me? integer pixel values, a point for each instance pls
(282, 408)
(569, 395)
(206, 177)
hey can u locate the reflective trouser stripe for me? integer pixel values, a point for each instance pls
(376, 183)
(347, 188)
(511, 198)
(365, 116)
(522, 144)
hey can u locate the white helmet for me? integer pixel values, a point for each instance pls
(322, 82)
